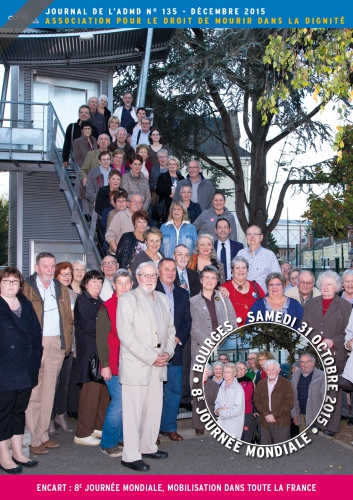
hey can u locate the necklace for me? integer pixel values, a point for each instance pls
(239, 286)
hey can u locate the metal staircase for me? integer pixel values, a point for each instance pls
(34, 143)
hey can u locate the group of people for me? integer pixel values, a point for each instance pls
(253, 402)
(164, 286)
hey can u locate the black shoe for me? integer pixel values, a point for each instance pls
(350, 421)
(159, 454)
(329, 433)
(29, 465)
(138, 465)
(72, 414)
(15, 470)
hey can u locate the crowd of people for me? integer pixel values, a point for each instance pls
(115, 347)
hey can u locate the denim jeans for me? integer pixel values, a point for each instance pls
(171, 399)
(112, 433)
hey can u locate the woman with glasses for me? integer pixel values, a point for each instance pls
(94, 397)
(293, 276)
(78, 272)
(156, 145)
(209, 310)
(276, 307)
(63, 273)
(243, 293)
(20, 360)
(84, 144)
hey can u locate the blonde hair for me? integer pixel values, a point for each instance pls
(115, 118)
(210, 237)
(172, 158)
(181, 205)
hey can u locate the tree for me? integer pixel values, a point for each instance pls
(272, 244)
(4, 222)
(209, 74)
(333, 210)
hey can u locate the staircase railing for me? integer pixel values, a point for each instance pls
(55, 142)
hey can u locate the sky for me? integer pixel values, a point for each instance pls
(296, 204)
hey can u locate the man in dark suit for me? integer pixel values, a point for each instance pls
(190, 280)
(180, 309)
(226, 249)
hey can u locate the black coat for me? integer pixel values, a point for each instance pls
(182, 320)
(194, 281)
(126, 250)
(86, 311)
(194, 210)
(102, 200)
(164, 189)
(20, 346)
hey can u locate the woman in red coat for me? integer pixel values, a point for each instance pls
(242, 292)
(248, 387)
(108, 346)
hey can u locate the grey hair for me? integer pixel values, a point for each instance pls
(348, 272)
(163, 152)
(218, 363)
(296, 363)
(109, 255)
(133, 193)
(306, 271)
(271, 362)
(208, 368)
(106, 136)
(122, 273)
(198, 163)
(102, 97)
(332, 275)
(146, 118)
(239, 259)
(121, 128)
(238, 363)
(80, 262)
(149, 263)
(209, 269)
(311, 356)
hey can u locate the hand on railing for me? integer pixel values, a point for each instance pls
(65, 164)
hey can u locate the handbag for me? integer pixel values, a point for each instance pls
(94, 369)
(159, 211)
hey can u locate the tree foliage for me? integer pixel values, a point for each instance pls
(272, 244)
(4, 222)
(334, 209)
(266, 75)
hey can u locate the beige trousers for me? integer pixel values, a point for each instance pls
(142, 411)
(40, 405)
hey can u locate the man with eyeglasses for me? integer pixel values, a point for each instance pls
(147, 336)
(122, 144)
(309, 388)
(202, 189)
(141, 136)
(52, 304)
(74, 131)
(190, 281)
(122, 222)
(108, 267)
(305, 289)
(262, 261)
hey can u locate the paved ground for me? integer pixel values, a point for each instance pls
(199, 455)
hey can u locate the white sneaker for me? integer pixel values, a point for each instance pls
(97, 434)
(88, 441)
